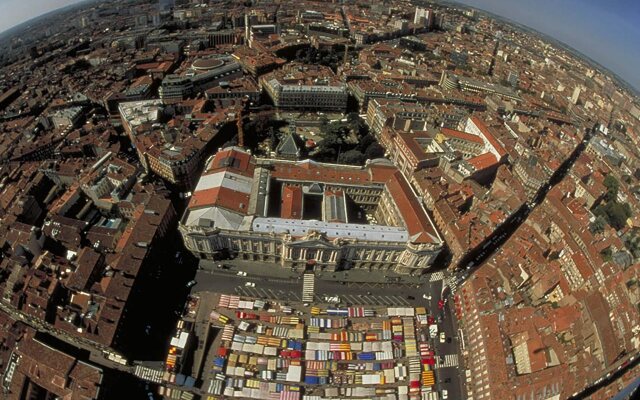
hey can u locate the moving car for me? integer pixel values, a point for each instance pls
(445, 394)
(426, 297)
(332, 299)
(442, 337)
(433, 331)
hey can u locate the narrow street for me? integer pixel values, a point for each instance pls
(500, 235)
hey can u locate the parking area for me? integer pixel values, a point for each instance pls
(262, 293)
(378, 300)
(356, 299)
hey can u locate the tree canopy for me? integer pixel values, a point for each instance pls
(612, 185)
(347, 142)
(615, 213)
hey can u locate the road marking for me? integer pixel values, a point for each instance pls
(369, 300)
(389, 300)
(294, 296)
(450, 360)
(351, 299)
(401, 300)
(436, 276)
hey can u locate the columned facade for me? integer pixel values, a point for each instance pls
(314, 251)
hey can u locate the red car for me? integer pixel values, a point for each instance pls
(440, 304)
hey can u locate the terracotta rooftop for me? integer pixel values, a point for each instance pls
(461, 135)
(483, 161)
(291, 202)
(489, 136)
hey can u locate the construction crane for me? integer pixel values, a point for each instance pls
(240, 122)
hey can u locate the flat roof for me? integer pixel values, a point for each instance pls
(297, 227)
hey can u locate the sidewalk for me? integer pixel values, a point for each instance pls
(256, 268)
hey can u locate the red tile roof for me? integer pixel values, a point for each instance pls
(537, 357)
(489, 136)
(599, 312)
(461, 135)
(564, 317)
(291, 202)
(415, 218)
(414, 147)
(483, 161)
(583, 265)
(221, 197)
(310, 171)
(233, 160)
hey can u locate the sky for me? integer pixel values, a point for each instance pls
(15, 12)
(608, 31)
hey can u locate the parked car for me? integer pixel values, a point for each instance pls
(445, 394)
(191, 284)
(426, 297)
(250, 284)
(410, 298)
(241, 273)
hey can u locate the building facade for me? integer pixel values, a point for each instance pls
(240, 208)
(305, 87)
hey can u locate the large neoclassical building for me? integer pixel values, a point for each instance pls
(307, 215)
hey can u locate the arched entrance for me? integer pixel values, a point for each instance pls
(310, 265)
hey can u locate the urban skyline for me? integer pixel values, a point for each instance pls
(571, 21)
(606, 31)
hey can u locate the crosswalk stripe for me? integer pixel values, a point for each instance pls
(436, 276)
(450, 360)
(148, 374)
